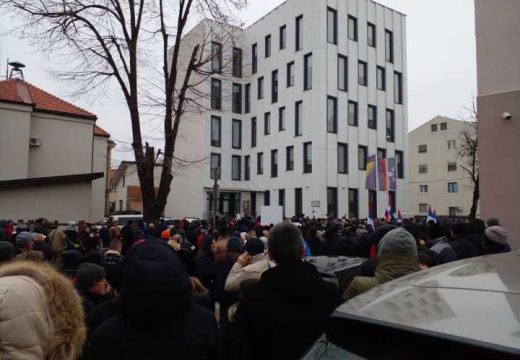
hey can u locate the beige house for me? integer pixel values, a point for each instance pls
(436, 177)
(53, 157)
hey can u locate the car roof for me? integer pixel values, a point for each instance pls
(475, 300)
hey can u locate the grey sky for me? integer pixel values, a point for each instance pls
(441, 62)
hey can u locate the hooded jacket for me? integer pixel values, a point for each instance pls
(40, 314)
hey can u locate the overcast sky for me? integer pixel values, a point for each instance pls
(441, 62)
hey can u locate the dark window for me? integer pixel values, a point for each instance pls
(283, 36)
(372, 117)
(389, 46)
(236, 135)
(342, 158)
(281, 200)
(352, 113)
(342, 73)
(247, 101)
(274, 86)
(298, 202)
(268, 45)
(371, 34)
(237, 98)
(216, 131)
(434, 127)
(260, 89)
(236, 164)
(216, 94)
(281, 118)
(260, 163)
(381, 78)
(353, 203)
(362, 73)
(289, 158)
(332, 202)
(332, 114)
(247, 167)
(274, 163)
(267, 198)
(267, 123)
(423, 208)
(398, 88)
(254, 58)
(452, 144)
(444, 126)
(298, 123)
(214, 164)
(307, 72)
(399, 159)
(372, 203)
(290, 74)
(216, 57)
(423, 169)
(362, 157)
(381, 153)
(453, 210)
(332, 26)
(352, 28)
(423, 149)
(253, 132)
(453, 187)
(307, 157)
(299, 33)
(452, 166)
(237, 62)
(390, 125)
(423, 188)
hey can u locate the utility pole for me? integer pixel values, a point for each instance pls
(216, 176)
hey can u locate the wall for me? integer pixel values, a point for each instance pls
(15, 124)
(99, 185)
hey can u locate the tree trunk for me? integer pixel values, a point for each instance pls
(476, 197)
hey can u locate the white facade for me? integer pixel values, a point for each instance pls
(441, 182)
(192, 186)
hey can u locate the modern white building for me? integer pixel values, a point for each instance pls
(435, 173)
(295, 105)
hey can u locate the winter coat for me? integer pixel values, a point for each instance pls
(463, 248)
(253, 271)
(223, 265)
(443, 249)
(40, 314)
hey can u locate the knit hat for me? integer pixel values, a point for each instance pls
(165, 235)
(6, 251)
(88, 274)
(235, 245)
(397, 242)
(23, 239)
(254, 246)
(497, 234)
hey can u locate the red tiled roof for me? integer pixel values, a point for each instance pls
(100, 132)
(20, 91)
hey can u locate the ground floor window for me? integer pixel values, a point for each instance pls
(228, 204)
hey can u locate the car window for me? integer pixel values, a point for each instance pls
(325, 350)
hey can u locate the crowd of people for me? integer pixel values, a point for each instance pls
(190, 290)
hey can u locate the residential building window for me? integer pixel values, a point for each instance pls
(452, 166)
(236, 135)
(362, 73)
(381, 78)
(253, 132)
(281, 200)
(214, 164)
(423, 208)
(332, 26)
(372, 117)
(453, 210)
(453, 187)
(307, 157)
(352, 113)
(389, 46)
(299, 33)
(371, 34)
(423, 149)
(298, 121)
(290, 74)
(353, 203)
(274, 86)
(423, 169)
(267, 198)
(423, 188)
(444, 126)
(434, 127)
(362, 157)
(247, 101)
(390, 125)
(452, 144)
(398, 88)
(216, 57)
(342, 73)
(237, 62)
(342, 158)
(237, 98)
(216, 131)
(247, 167)
(332, 114)
(307, 72)
(283, 37)
(399, 160)
(352, 28)
(289, 158)
(216, 94)
(236, 163)
(381, 153)
(260, 89)
(332, 202)
(260, 163)
(298, 201)
(274, 163)
(268, 45)
(254, 58)
(281, 118)
(267, 123)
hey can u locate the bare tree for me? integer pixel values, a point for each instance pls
(137, 43)
(468, 154)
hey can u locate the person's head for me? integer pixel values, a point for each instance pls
(223, 231)
(6, 252)
(254, 246)
(177, 238)
(459, 230)
(497, 234)
(285, 243)
(165, 235)
(91, 279)
(115, 244)
(235, 245)
(476, 226)
(397, 242)
(24, 241)
(428, 259)
(436, 231)
(39, 237)
(113, 232)
(492, 222)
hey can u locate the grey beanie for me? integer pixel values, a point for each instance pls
(497, 234)
(24, 238)
(397, 242)
(87, 275)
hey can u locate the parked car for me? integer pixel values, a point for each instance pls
(469, 309)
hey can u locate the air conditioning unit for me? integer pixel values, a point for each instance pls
(34, 141)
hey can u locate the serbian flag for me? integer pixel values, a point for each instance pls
(431, 214)
(388, 214)
(392, 186)
(370, 223)
(381, 174)
(371, 179)
(399, 217)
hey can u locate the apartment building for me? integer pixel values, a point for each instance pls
(296, 104)
(436, 178)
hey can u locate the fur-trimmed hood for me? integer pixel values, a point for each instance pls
(41, 316)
